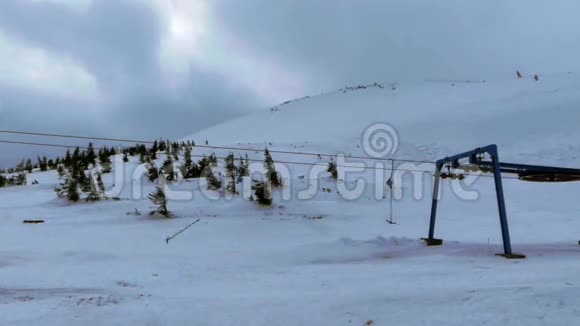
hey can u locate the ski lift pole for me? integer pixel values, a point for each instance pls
(391, 194)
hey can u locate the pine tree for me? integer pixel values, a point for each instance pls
(231, 173)
(203, 163)
(243, 167)
(90, 156)
(42, 163)
(21, 179)
(69, 188)
(168, 169)
(86, 182)
(77, 157)
(125, 158)
(187, 161)
(159, 199)
(262, 192)
(93, 191)
(67, 159)
(73, 194)
(271, 174)
(29, 166)
(152, 172)
(3, 181)
(100, 184)
(21, 166)
(332, 170)
(175, 151)
(154, 148)
(168, 149)
(213, 182)
(105, 160)
(189, 169)
(61, 171)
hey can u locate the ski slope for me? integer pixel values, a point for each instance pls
(326, 260)
(524, 117)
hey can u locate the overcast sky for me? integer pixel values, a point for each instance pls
(167, 68)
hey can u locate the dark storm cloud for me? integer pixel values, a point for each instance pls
(346, 41)
(327, 44)
(118, 43)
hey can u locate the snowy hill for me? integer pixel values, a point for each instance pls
(523, 116)
(324, 260)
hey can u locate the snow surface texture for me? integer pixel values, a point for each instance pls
(324, 261)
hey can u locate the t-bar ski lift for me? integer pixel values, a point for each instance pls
(479, 162)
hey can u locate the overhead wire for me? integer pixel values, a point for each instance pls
(255, 160)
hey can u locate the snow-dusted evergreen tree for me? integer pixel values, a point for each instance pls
(271, 174)
(42, 163)
(78, 173)
(213, 182)
(86, 182)
(159, 199)
(189, 169)
(61, 171)
(168, 169)
(168, 151)
(125, 158)
(77, 156)
(21, 179)
(69, 188)
(162, 145)
(28, 167)
(187, 162)
(175, 151)
(100, 184)
(243, 167)
(21, 166)
(231, 174)
(105, 161)
(152, 172)
(332, 170)
(73, 193)
(67, 159)
(213, 159)
(262, 193)
(154, 148)
(93, 192)
(90, 156)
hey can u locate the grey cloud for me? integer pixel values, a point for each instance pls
(117, 42)
(344, 41)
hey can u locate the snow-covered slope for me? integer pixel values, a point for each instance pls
(325, 260)
(523, 116)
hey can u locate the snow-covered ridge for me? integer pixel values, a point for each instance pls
(341, 90)
(523, 116)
